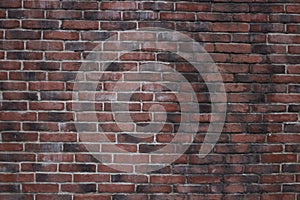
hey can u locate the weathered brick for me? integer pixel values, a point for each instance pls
(40, 24)
(46, 44)
(80, 25)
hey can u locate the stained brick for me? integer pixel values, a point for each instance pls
(46, 44)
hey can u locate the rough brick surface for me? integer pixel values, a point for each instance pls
(256, 47)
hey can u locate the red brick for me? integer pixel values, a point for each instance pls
(55, 157)
(16, 196)
(78, 188)
(293, 28)
(263, 28)
(280, 117)
(292, 8)
(105, 168)
(244, 138)
(61, 35)
(10, 126)
(2, 14)
(166, 97)
(241, 178)
(3, 76)
(191, 189)
(140, 16)
(233, 48)
(142, 77)
(91, 177)
(63, 14)
(117, 25)
(42, 45)
(19, 136)
(46, 86)
(131, 159)
(294, 49)
(266, 109)
(39, 126)
(15, 116)
(214, 17)
(10, 4)
(54, 197)
(11, 147)
(95, 35)
(283, 98)
(28, 76)
(270, 8)
(278, 158)
(46, 106)
(233, 127)
(49, 147)
(181, 16)
(206, 197)
(13, 85)
(244, 117)
(294, 128)
(154, 189)
(102, 15)
(192, 7)
(55, 116)
(40, 188)
(12, 45)
(268, 69)
(24, 55)
(40, 24)
(225, 170)
(231, 8)
(259, 169)
(284, 18)
(77, 168)
(230, 27)
(234, 188)
(80, 5)
(63, 137)
(129, 178)
(17, 157)
(250, 17)
(92, 196)
(194, 26)
(80, 25)
(284, 39)
(41, 65)
(277, 196)
(156, 6)
(63, 56)
(10, 65)
(126, 5)
(277, 178)
(37, 4)
(169, 25)
(116, 188)
(247, 58)
(286, 138)
(293, 70)
(29, 14)
(167, 179)
(203, 179)
(54, 178)
(10, 188)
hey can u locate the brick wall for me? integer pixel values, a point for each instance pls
(52, 135)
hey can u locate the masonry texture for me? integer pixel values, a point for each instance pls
(256, 47)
